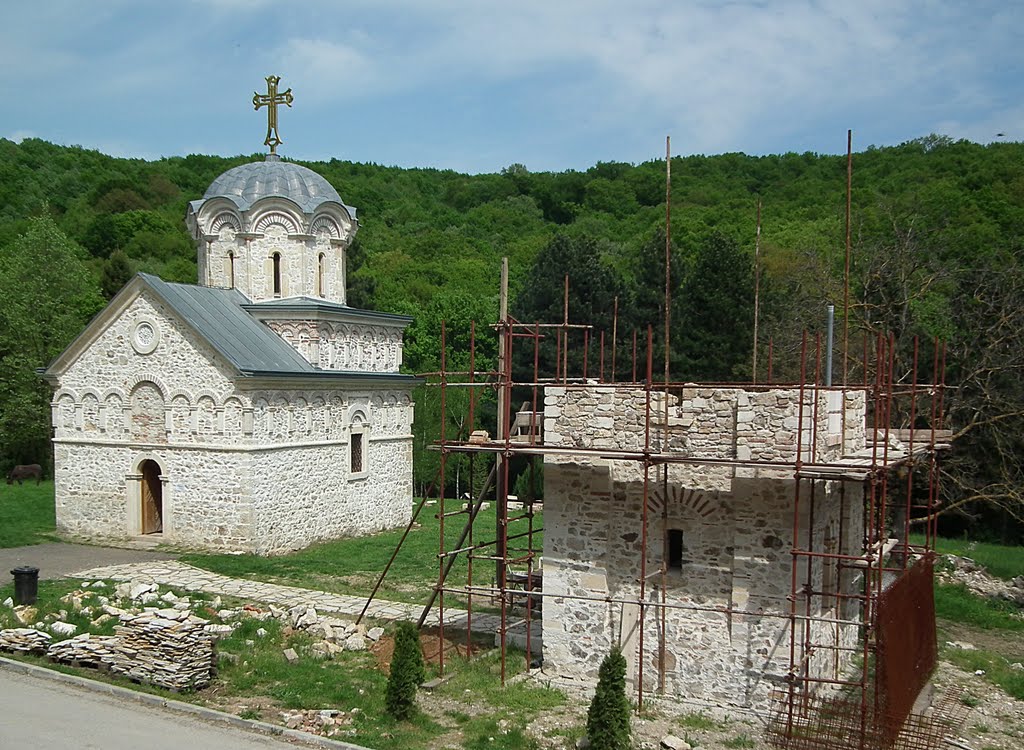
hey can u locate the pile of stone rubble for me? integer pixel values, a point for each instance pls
(964, 570)
(160, 639)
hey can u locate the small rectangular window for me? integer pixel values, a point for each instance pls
(357, 452)
(675, 549)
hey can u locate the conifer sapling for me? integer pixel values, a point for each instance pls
(608, 717)
(407, 672)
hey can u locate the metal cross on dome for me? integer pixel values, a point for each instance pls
(270, 100)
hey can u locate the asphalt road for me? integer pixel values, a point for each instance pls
(58, 559)
(41, 714)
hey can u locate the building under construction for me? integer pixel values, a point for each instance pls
(743, 544)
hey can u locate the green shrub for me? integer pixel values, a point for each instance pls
(608, 717)
(407, 672)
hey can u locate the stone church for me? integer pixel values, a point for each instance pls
(255, 411)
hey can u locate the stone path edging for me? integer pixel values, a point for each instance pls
(206, 714)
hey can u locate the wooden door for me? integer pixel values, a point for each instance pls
(152, 498)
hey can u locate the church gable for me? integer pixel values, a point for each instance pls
(144, 343)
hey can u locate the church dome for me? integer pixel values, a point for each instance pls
(249, 183)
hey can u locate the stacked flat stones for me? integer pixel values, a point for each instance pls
(167, 648)
(24, 640)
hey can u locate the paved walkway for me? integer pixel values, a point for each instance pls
(183, 576)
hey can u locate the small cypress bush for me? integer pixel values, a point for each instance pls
(608, 717)
(407, 672)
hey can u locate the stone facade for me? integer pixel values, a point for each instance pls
(725, 531)
(256, 412)
(273, 230)
(342, 344)
(241, 468)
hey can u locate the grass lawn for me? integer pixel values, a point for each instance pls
(351, 566)
(26, 514)
(254, 680)
(1000, 560)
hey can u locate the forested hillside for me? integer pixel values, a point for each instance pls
(937, 251)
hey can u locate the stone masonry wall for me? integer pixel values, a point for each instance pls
(729, 642)
(306, 494)
(258, 471)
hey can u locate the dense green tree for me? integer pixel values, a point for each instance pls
(48, 296)
(716, 311)
(938, 250)
(593, 287)
(115, 274)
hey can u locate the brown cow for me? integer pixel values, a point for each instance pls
(25, 472)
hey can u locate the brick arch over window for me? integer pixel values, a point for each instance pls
(276, 218)
(702, 502)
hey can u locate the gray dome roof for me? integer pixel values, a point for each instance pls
(249, 183)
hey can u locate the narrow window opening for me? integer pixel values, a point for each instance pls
(675, 549)
(321, 267)
(357, 453)
(231, 269)
(277, 274)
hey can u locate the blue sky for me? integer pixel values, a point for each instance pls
(475, 85)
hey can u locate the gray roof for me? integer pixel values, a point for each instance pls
(301, 305)
(217, 315)
(251, 182)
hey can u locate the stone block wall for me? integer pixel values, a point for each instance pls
(262, 471)
(307, 494)
(726, 626)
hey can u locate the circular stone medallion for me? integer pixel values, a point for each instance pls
(145, 336)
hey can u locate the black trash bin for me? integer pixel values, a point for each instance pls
(26, 584)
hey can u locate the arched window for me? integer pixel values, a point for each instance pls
(276, 258)
(321, 284)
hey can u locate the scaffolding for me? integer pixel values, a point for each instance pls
(882, 588)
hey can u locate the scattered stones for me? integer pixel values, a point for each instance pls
(9, 603)
(317, 721)
(303, 616)
(671, 742)
(374, 634)
(25, 640)
(26, 615)
(261, 633)
(355, 642)
(218, 630)
(966, 571)
(962, 645)
(63, 628)
(136, 590)
(290, 655)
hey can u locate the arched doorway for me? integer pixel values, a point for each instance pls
(152, 498)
